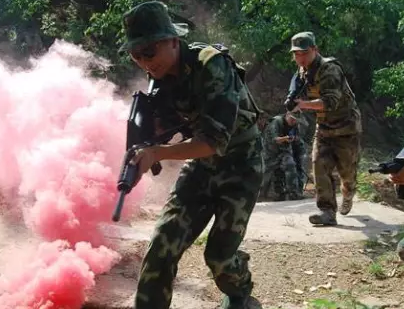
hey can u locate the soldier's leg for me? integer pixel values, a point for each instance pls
(267, 179)
(347, 150)
(324, 163)
(298, 158)
(288, 166)
(183, 218)
(237, 193)
(301, 174)
(278, 181)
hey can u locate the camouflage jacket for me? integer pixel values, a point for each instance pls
(210, 95)
(326, 81)
(277, 128)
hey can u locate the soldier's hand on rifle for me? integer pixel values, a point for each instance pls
(398, 178)
(145, 158)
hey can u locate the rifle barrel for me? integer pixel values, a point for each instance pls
(118, 208)
(376, 170)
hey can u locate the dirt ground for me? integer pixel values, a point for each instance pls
(293, 274)
(296, 273)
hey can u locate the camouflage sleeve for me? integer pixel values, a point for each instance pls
(219, 103)
(275, 129)
(331, 78)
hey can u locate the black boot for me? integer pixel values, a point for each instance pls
(240, 301)
(324, 217)
(237, 302)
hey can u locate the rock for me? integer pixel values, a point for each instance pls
(331, 274)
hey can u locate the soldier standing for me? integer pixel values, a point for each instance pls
(337, 136)
(223, 171)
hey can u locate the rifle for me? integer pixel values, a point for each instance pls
(141, 133)
(296, 89)
(392, 167)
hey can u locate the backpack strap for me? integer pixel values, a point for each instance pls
(337, 62)
(207, 52)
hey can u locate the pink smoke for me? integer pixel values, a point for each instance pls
(57, 277)
(62, 140)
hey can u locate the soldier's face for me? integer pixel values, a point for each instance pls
(158, 58)
(304, 58)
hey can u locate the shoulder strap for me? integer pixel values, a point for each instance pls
(207, 51)
(337, 62)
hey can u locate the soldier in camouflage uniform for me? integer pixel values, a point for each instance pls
(281, 138)
(337, 136)
(223, 171)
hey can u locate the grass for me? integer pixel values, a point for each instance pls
(371, 243)
(365, 188)
(377, 270)
(345, 301)
(202, 239)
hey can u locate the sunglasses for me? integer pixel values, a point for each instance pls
(148, 52)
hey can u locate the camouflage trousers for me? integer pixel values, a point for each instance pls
(228, 192)
(342, 153)
(283, 174)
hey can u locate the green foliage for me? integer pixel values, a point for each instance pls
(21, 10)
(389, 82)
(202, 239)
(105, 28)
(365, 187)
(71, 28)
(350, 303)
(365, 34)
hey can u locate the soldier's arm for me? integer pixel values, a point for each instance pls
(219, 104)
(218, 113)
(331, 79)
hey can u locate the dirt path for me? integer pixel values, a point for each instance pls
(292, 262)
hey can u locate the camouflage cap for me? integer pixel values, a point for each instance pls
(302, 41)
(149, 22)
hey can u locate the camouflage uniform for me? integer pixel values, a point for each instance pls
(210, 94)
(299, 156)
(280, 160)
(337, 136)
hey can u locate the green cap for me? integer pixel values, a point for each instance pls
(302, 41)
(149, 22)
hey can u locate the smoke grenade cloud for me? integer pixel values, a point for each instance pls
(62, 138)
